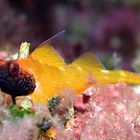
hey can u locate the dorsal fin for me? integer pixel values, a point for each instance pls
(88, 60)
(46, 54)
(50, 40)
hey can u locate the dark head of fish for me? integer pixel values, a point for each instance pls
(14, 80)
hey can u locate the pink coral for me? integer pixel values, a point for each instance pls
(104, 112)
(20, 129)
(112, 112)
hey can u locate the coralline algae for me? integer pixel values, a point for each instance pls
(104, 112)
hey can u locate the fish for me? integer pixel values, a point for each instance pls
(52, 74)
(44, 74)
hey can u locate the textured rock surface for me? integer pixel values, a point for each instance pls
(101, 113)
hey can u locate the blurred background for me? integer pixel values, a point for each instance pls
(109, 28)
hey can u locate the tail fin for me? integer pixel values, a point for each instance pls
(123, 76)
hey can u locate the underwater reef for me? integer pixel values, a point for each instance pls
(104, 112)
(93, 103)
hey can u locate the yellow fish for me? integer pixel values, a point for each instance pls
(52, 74)
(44, 74)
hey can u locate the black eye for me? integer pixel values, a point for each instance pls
(13, 69)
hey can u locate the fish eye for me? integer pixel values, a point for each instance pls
(13, 68)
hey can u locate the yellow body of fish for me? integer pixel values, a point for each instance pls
(52, 74)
